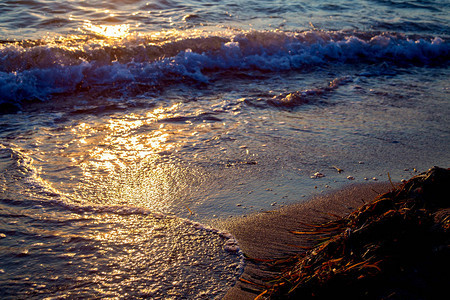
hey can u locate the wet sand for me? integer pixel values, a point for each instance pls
(267, 236)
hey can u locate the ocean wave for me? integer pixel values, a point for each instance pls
(38, 70)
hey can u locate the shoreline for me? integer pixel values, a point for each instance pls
(364, 241)
(266, 236)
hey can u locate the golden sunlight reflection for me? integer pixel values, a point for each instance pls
(114, 34)
(108, 31)
(127, 160)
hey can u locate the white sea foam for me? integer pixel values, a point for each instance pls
(37, 72)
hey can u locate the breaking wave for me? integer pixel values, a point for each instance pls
(36, 70)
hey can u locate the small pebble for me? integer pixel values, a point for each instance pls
(360, 162)
(231, 248)
(273, 204)
(365, 178)
(317, 175)
(350, 177)
(375, 178)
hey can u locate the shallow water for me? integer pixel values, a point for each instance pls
(124, 123)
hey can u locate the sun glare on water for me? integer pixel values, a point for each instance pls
(131, 159)
(108, 31)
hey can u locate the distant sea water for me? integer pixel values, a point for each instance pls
(129, 129)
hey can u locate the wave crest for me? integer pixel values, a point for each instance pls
(30, 71)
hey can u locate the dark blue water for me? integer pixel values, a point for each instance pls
(125, 123)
